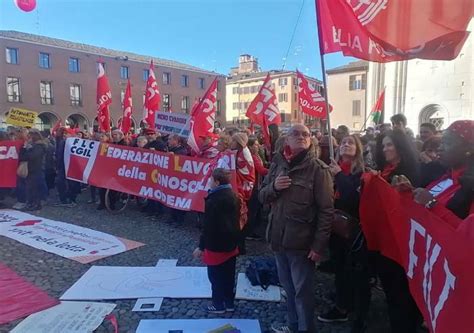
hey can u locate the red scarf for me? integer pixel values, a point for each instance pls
(388, 170)
(345, 167)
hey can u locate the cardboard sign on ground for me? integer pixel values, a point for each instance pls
(64, 239)
(196, 325)
(246, 291)
(72, 317)
(108, 282)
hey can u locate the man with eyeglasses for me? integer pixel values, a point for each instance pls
(299, 188)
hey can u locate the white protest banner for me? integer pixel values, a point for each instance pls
(198, 325)
(71, 317)
(109, 282)
(173, 123)
(245, 290)
(66, 240)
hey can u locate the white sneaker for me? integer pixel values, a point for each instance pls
(281, 329)
(19, 205)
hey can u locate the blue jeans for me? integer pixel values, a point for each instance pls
(67, 189)
(35, 186)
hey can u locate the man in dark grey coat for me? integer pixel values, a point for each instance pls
(299, 188)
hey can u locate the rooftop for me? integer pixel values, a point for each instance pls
(261, 75)
(60, 43)
(350, 67)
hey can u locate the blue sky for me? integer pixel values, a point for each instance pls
(206, 33)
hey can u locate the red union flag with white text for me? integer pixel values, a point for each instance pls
(264, 110)
(152, 98)
(394, 30)
(310, 100)
(127, 110)
(104, 99)
(202, 118)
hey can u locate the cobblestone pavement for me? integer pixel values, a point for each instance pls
(163, 239)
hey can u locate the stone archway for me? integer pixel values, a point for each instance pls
(46, 121)
(435, 114)
(77, 120)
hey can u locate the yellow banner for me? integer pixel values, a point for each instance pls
(21, 117)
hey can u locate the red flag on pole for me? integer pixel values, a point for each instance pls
(127, 110)
(203, 117)
(378, 108)
(264, 110)
(152, 99)
(310, 100)
(388, 30)
(104, 99)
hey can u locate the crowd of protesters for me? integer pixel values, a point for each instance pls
(291, 192)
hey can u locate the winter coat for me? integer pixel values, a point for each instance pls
(221, 230)
(300, 216)
(34, 155)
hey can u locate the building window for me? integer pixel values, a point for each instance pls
(12, 55)
(283, 97)
(246, 90)
(13, 90)
(124, 72)
(44, 60)
(184, 80)
(146, 74)
(295, 114)
(74, 65)
(356, 108)
(283, 81)
(75, 94)
(357, 82)
(46, 92)
(218, 107)
(185, 104)
(166, 102)
(235, 106)
(201, 83)
(282, 116)
(235, 90)
(166, 78)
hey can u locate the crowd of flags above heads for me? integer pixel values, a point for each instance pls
(374, 30)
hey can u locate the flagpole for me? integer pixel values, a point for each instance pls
(325, 90)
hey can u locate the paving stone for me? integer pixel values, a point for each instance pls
(163, 240)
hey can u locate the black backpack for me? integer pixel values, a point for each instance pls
(262, 271)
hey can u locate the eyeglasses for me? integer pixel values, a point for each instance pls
(296, 134)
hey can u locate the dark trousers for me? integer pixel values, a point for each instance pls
(254, 216)
(222, 278)
(296, 273)
(34, 188)
(352, 274)
(20, 190)
(402, 310)
(67, 189)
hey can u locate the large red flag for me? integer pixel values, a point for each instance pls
(203, 117)
(435, 253)
(264, 110)
(389, 30)
(378, 108)
(152, 99)
(310, 100)
(127, 110)
(104, 99)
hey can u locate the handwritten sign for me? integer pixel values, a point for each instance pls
(21, 117)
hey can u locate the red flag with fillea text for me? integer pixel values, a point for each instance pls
(152, 98)
(310, 99)
(202, 118)
(264, 110)
(127, 110)
(394, 30)
(104, 99)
